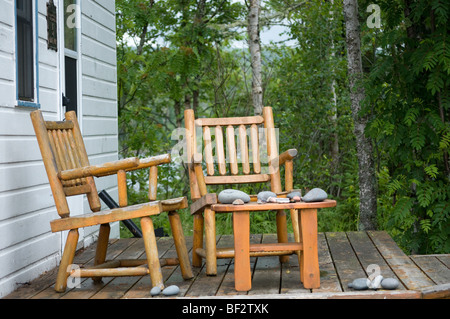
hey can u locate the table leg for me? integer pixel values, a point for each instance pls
(242, 270)
(310, 260)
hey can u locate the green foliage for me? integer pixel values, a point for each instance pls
(173, 55)
(407, 90)
(302, 97)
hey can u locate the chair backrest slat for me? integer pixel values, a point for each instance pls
(209, 160)
(220, 151)
(255, 149)
(231, 150)
(62, 148)
(243, 143)
(59, 125)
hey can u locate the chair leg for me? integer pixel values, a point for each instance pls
(210, 245)
(242, 270)
(197, 239)
(66, 260)
(310, 261)
(102, 247)
(180, 245)
(151, 250)
(282, 234)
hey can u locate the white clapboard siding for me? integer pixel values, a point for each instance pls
(99, 94)
(27, 246)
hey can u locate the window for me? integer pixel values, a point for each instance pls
(25, 54)
(71, 25)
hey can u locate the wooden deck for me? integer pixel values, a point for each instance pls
(342, 257)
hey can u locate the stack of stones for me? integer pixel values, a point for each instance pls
(237, 197)
(377, 283)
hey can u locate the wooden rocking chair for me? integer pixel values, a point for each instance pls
(69, 173)
(205, 205)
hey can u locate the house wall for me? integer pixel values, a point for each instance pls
(27, 246)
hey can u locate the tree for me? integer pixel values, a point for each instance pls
(254, 44)
(367, 178)
(408, 63)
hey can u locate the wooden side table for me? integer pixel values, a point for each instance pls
(304, 224)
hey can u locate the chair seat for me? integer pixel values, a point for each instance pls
(107, 216)
(253, 206)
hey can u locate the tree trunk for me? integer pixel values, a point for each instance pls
(367, 179)
(255, 55)
(334, 112)
(334, 122)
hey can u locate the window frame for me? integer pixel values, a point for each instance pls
(34, 103)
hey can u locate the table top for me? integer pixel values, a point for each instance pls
(254, 206)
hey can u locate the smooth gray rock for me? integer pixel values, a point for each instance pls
(359, 284)
(294, 194)
(315, 195)
(171, 290)
(228, 196)
(238, 202)
(155, 291)
(264, 196)
(390, 283)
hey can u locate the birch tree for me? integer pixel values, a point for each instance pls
(254, 44)
(367, 179)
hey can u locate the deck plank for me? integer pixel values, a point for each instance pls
(141, 288)
(410, 275)
(368, 255)
(329, 280)
(290, 275)
(87, 288)
(172, 274)
(445, 259)
(267, 273)
(342, 258)
(227, 286)
(433, 267)
(28, 290)
(209, 285)
(345, 260)
(118, 286)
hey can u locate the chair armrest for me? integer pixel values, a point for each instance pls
(99, 170)
(200, 204)
(151, 161)
(287, 156)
